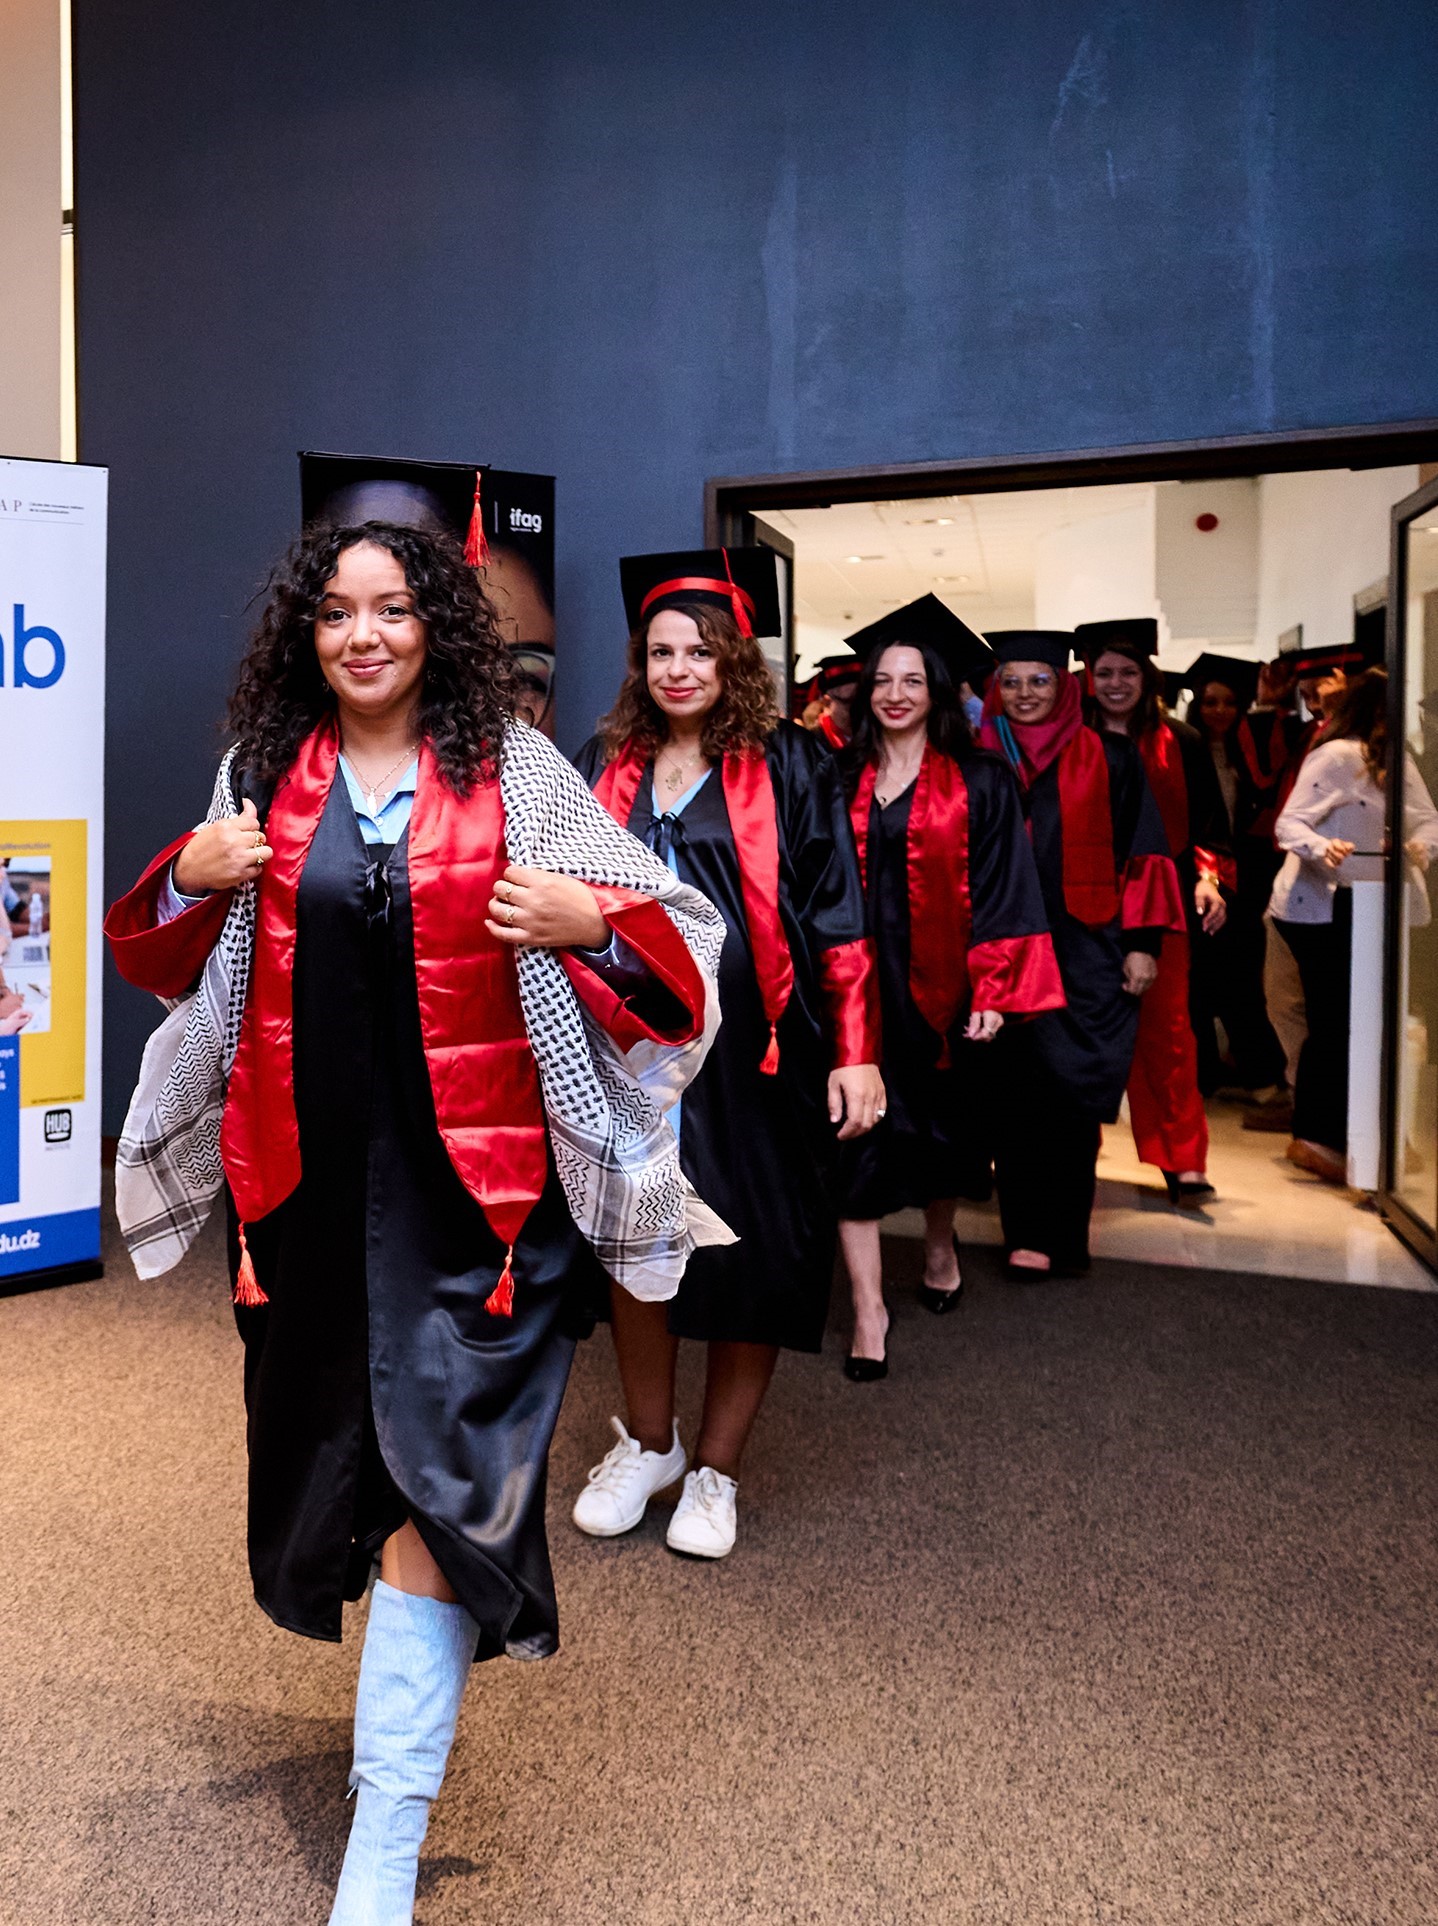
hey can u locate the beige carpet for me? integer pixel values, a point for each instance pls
(1115, 1605)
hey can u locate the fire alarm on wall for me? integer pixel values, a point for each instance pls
(1206, 522)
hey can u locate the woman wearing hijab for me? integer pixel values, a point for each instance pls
(1164, 1102)
(384, 1032)
(694, 760)
(962, 941)
(1110, 891)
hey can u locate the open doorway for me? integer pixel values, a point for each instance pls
(1239, 551)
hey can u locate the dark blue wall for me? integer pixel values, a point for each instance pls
(636, 245)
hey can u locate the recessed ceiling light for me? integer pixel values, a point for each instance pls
(951, 578)
(945, 521)
(863, 558)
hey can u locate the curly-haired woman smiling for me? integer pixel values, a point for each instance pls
(408, 1265)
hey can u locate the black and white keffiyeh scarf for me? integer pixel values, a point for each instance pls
(617, 1157)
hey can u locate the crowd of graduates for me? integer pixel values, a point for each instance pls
(992, 887)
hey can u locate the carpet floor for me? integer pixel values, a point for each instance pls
(1115, 1604)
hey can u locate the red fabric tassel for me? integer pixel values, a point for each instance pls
(736, 600)
(476, 548)
(770, 1065)
(247, 1286)
(500, 1302)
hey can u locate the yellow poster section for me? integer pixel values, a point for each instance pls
(52, 1065)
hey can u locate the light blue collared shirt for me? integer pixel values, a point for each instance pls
(390, 820)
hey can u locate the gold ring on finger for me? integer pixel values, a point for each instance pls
(509, 917)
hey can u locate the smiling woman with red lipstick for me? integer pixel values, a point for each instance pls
(410, 1270)
(962, 939)
(694, 760)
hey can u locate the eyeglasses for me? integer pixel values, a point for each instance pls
(1025, 685)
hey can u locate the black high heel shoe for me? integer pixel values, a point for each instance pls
(942, 1302)
(1186, 1190)
(869, 1370)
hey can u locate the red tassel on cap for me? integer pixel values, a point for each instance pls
(500, 1302)
(770, 1065)
(476, 548)
(247, 1285)
(741, 614)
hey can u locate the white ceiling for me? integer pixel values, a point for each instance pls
(857, 560)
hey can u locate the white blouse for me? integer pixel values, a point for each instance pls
(1335, 799)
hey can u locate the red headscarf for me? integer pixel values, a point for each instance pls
(1091, 890)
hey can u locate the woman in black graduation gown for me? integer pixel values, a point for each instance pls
(1228, 969)
(408, 1299)
(962, 941)
(694, 760)
(1110, 891)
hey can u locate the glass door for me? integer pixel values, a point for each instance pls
(1410, 1191)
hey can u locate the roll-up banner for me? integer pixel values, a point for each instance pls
(52, 785)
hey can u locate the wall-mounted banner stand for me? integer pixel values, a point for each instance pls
(52, 788)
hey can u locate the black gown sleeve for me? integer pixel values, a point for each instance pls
(827, 890)
(590, 760)
(1208, 827)
(827, 894)
(1004, 894)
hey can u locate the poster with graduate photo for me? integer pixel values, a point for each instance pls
(52, 722)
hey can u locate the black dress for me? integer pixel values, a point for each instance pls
(1060, 1076)
(760, 1149)
(377, 1385)
(936, 1139)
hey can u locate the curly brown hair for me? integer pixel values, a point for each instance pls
(744, 717)
(470, 689)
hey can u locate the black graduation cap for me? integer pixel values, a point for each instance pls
(964, 654)
(1133, 634)
(1230, 670)
(1347, 656)
(1053, 646)
(834, 671)
(1175, 681)
(743, 580)
(346, 489)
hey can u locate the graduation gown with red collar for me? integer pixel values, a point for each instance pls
(1087, 1047)
(959, 925)
(384, 1142)
(767, 839)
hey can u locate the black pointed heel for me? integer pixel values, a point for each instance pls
(1186, 1191)
(869, 1370)
(942, 1302)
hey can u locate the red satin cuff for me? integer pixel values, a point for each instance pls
(1016, 974)
(1209, 863)
(648, 930)
(849, 979)
(164, 958)
(1151, 897)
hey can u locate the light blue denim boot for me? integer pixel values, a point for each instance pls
(417, 1658)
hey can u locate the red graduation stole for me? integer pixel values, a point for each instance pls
(749, 798)
(1163, 762)
(1091, 892)
(940, 914)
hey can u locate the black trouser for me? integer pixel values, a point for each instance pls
(1045, 1152)
(1324, 954)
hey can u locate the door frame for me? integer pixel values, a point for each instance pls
(1421, 1238)
(727, 498)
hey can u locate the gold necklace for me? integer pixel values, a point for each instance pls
(673, 778)
(371, 791)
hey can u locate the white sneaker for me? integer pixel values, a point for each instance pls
(622, 1483)
(705, 1520)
